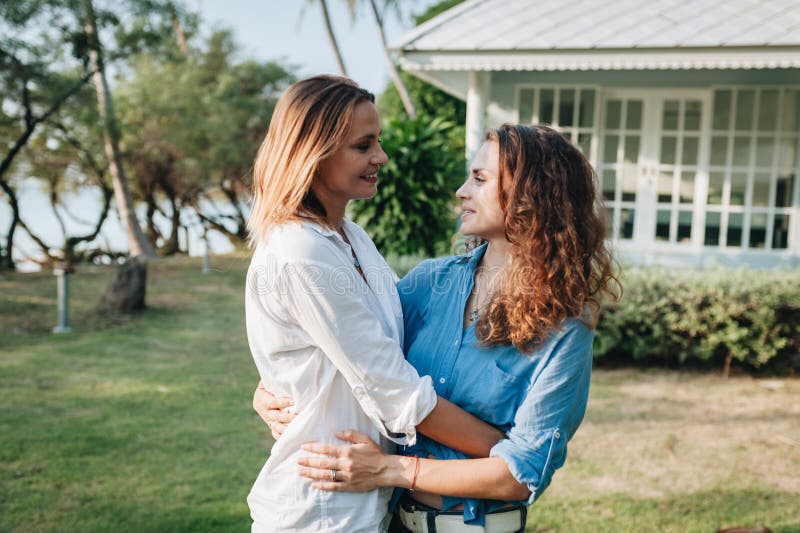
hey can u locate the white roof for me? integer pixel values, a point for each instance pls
(606, 34)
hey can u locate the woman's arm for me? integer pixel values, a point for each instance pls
(447, 423)
(454, 427)
(363, 466)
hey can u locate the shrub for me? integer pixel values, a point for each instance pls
(704, 318)
(413, 211)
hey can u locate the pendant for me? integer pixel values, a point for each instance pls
(473, 315)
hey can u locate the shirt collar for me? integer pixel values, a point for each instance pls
(474, 256)
(325, 231)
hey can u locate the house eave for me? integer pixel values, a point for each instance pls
(602, 59)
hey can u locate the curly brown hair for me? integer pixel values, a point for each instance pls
(561, 266)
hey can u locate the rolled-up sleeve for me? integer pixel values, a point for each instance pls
(536, 446)
(325, 301)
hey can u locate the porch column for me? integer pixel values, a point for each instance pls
(477, 100)
(794, 228)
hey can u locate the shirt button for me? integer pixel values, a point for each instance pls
(455, 343)
(442, 380)
(556, 434)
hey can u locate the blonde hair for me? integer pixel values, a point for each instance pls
(311, 121)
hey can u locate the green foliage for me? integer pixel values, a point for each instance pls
(435, 10)
(413, 210)
(200, 119)
(48, 103)
(192, 127)
(430, 102)
(676, 317)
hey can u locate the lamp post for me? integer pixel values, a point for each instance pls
(206, 259)
(62, 272)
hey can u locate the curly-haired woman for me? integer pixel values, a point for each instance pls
(506, 333)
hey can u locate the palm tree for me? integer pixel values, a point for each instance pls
(405, 96)
(379, 17)
(337, 52)
(139, 245)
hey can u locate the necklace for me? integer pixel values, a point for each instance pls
(476, 310)
(356, 263)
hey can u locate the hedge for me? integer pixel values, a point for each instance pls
(712, 318)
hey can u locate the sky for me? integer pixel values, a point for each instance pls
(293, 30)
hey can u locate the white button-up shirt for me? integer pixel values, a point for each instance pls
(322, 336)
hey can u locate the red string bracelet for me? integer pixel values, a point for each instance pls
(416, 471)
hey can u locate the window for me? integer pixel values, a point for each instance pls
(753, 164)
(570, 110)
(622, 133)
(678, 165)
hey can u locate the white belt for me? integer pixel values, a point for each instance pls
(419, 521)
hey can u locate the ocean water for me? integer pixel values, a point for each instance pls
(82, 210)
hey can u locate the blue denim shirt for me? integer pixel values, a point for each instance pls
(537, 399)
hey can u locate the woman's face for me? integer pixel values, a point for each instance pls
(481, 213)
(351, 172)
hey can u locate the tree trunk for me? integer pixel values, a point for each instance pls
(233, 198)
(139, 245)
(172, 246)
(151, 230)
(332, 38)
(405, 96)
(7, 259)
(726, 368)
(180, 35)
(126, 292)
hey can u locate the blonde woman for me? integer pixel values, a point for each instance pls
(324, 320)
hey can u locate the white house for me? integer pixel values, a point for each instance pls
(688, 109)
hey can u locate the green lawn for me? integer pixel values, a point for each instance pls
(145, 424)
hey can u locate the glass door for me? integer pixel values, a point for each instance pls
(622, 132)
(651, 167)
(681, 146)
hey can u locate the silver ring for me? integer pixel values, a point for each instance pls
(333, 474)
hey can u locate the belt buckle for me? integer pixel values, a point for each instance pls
(519, 513)
(422, 519)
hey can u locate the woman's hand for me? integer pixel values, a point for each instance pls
(357, 467)
(273, 410)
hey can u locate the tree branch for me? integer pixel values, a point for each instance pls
(53, 204)
(35, 121)
(108, 194)
(39, 242)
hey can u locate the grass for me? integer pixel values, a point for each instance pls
(145, 424)
(675, 451)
